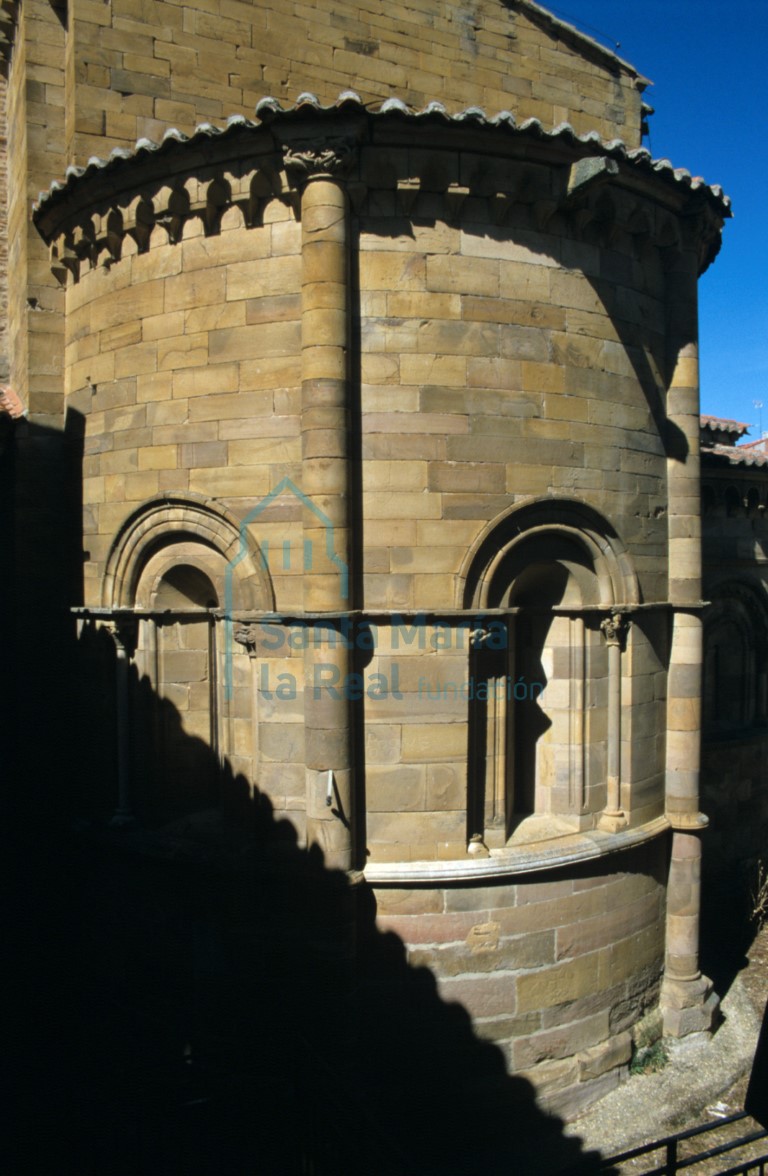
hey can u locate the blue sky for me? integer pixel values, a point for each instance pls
(708, 60)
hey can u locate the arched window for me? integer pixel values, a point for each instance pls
(735, 653)
(753, 502)
(733, 503)
(540, 744)
(173, 564)
(708, 500)
(179, 651)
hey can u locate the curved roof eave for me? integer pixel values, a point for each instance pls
(269, 112)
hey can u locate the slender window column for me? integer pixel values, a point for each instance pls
(488, 670)
(577, 791)
(123, 631)
(614, 817)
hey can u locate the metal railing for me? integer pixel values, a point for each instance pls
(676, 1161)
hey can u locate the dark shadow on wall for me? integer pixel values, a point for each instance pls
(727, 930)
(206, 998)
(611, 261)
(42, 576)
(203, 998)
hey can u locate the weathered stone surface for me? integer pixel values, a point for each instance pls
(427, 376)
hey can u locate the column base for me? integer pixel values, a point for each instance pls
(611, 821)
(688, 1006)
(477, 847)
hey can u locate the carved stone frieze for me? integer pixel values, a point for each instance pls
(329, 157)
(604, 198)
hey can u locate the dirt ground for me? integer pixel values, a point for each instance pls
(725, 955)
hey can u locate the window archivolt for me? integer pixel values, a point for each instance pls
(180, 563)
(545, 733)
(165, 522)
(735, 693)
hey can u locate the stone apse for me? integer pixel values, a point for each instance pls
(390, 493)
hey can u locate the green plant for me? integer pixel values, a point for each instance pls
(649, 1060)
(758, 896)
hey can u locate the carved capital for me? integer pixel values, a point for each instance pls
(252, 635)
(322, 158)
(124, 631)
(247, 635)
(614, 629)
(478, 638)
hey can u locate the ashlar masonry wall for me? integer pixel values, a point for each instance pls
(384, 402)
(132, 75)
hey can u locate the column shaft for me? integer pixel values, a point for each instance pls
(613, 817)
(687, 1000)
(325, 434)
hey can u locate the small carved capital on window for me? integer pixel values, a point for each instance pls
(124, 631)
(247, 635)
(259, 638)
(614, 629)
(478, 638)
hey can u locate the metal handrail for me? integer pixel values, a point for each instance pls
(674, 1164)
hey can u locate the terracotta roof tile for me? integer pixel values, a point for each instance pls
(270, 109)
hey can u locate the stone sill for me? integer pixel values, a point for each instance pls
(512, 860)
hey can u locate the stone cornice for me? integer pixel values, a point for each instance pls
(596, 186)
(507, 863)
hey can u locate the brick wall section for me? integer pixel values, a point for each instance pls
(495, 364)
(507, 344)
(205, 60)
(184, 385)
(555, 972)
(36, 155)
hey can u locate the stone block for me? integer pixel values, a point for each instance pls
(393, 901)
(418, 830)
(128, 305)
(425, 742)
(476, 477)
(608, 1055)
(562, 1041)
(619, 922)
(697, 1019)
(203, 453)
(552, 1076)
(184, 666)
(249, 343)
(502, 1029)
(571, 1101)
(158, 457)
(395, 789)
(462, 275)
(564, 982)
(482, 996)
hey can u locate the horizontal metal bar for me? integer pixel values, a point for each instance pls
(646, 1148)
(722, 1148)
(748, 1166)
